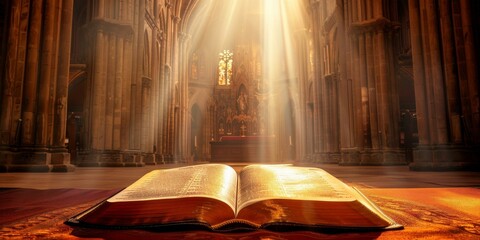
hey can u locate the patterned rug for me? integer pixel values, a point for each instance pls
(426, 213)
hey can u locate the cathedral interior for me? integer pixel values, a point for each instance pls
(134, 83)
(383, 94)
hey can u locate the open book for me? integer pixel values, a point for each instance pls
(216, 197)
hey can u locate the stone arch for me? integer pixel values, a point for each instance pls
(76, 102)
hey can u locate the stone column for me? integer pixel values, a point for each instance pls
(382, 91)
(471, 62)
(174, 80)
(301, 127)
(439, 134)
(418, 74)
(166, 111)
(35, 94)
(110, 61)
(183, 92)
(30, 83)
(441, 146)
(358, 139)
(60, 156)
(146, 109)
(97, 116)
(316, 31)
(347, 127)
(137, 80)
(117, 93)
(371, 92)
(47, 78)
(154, 116)
(364, 90)
(374, 106)
(126, 92)
(451, 79)
(162, 105)
(100, 13)
(9, 122)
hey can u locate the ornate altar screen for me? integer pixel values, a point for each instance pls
(240, 131)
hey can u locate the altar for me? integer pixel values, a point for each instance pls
(243, 149)
(243, 124)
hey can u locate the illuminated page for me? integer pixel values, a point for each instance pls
(270, 194)
(208, 180)
(261, 182)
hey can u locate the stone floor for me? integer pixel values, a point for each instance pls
(361, 176)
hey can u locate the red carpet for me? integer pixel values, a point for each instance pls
(426, 213)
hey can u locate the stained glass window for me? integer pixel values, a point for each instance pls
(225, 67)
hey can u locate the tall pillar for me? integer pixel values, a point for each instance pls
(316, 31)
(183, 96)
(439, 76)
(112, 104)
(418, 73)
(452, 97)
(316, 75)
(126, 92)
(362, 44)
(162, 101)
(60, 156)
(8, 121)
(356, 116)
(42, 56)
(46, 73)
(117, 93)
(381, 88)
(137, 80)
(110, 56)
(152, 159)
(174, 138)
(373, 103)
(346, 116)
(97, 117)
(371, 92)
(169, 116)
(471, 62)
(30, 83)
(437, 95)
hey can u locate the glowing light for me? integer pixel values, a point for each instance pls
(225, 67)
(269, 42)
(283, 26)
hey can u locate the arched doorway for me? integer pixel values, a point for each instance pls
(77, 90)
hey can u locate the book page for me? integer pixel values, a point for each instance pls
(208, 180)
(260, 182)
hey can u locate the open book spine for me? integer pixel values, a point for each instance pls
(173, 213)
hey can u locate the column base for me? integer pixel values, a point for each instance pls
(149, 159)
(110, 158)
(166, 158)
(372, 157)
(329, 158)
(445, 158)
(180, 159)
(34, 159)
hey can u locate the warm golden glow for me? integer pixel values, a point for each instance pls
(225, 65)
(283, 28)
(269, 41)
(288, 182)
(214, 180)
